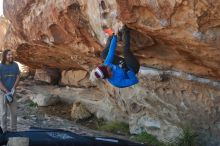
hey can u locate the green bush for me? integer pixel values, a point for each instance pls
(32, 104)
(187, 138)
(116, 127)
(147, 138)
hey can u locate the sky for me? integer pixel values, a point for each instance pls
(1, 7)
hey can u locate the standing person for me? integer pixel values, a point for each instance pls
(120, 72)
(9, 78)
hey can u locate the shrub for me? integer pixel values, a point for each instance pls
(148, 139)
(116, 127)
(187, 138)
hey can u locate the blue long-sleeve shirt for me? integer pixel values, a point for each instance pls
(120, 78)
(8, 74)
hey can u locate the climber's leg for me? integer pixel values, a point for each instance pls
(130, 59)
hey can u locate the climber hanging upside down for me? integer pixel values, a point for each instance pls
(119, 71)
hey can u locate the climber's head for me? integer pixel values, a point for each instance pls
(7, 57)
(101, 72)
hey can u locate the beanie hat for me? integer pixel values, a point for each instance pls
(101, 72)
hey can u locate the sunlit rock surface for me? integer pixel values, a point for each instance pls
(182, 35)
(3, 29)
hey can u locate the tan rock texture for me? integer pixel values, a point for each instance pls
(162, 105)
(78, 78)
(171, 34)
(51, 33)
(79, 112)
(50, 76)
(4, 23)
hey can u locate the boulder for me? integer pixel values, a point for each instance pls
(50, 76)
(79, 112)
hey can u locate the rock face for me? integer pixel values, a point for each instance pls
(185, 33)
(182, 35)
(162, 104)
(3, 29)
(79, 112)
(75, 78)
(51, 34)
(51, 76)
(179, 35)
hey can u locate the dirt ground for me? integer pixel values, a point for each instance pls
(56, 116)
